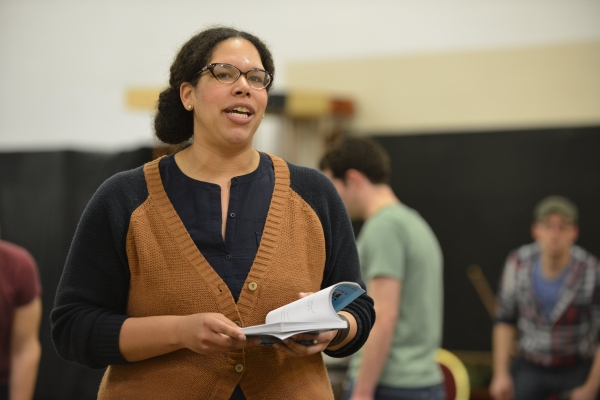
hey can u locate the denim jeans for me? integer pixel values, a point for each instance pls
(533, 382)
(382, 392)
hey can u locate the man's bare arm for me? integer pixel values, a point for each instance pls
(589, 390)
(25, 350)
(386, 294)
(501, 387)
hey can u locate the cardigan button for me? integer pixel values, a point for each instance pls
(252, 286)
(239, 368)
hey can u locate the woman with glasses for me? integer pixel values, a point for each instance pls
(171, 259)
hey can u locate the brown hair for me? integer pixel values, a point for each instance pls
(173, 124)
(362, 154)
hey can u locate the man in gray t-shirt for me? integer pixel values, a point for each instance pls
(401, 262)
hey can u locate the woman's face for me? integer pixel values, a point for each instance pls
(226, 115)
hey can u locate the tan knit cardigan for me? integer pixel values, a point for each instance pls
(169, 276)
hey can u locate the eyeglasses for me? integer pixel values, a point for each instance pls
(227, 73)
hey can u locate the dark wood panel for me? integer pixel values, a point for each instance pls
(478, 191)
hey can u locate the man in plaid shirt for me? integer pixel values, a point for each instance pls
(549, 303)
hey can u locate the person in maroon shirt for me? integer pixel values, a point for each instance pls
(20, 314)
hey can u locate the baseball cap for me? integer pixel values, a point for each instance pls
(556, 205)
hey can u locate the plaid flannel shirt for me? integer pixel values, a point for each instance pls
(570, 333)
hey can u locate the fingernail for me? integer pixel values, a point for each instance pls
(242, 337)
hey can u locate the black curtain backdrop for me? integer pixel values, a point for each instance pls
(42, 196)
(478, 191)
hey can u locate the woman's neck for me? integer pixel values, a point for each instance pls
(201, 163)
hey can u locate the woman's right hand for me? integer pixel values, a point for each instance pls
(212, 333)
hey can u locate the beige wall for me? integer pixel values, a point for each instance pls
(546, 86)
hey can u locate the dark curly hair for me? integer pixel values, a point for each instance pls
(362, 154)
(173, 124)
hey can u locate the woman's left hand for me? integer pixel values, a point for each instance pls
(292, 348)
(299, 345)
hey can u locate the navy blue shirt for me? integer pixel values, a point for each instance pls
(198, 205)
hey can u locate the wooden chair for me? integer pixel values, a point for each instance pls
(456, 377)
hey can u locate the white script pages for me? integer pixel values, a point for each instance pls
(313, 313)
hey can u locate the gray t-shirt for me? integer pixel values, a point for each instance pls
(397, 242)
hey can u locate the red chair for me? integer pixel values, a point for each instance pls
(456, 377)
